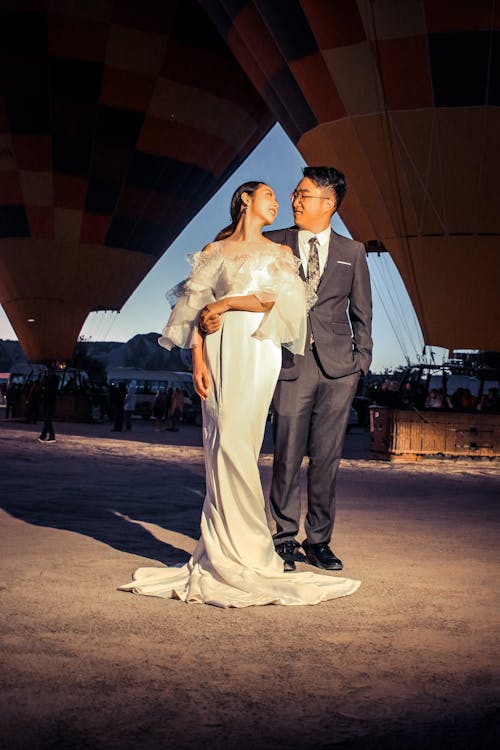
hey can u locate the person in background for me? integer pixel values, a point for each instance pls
(434, 400)
(33, 401)
(168, 403)
(117, 397)
(50, 388)
(176, 410)
(159, 409)
(468, 400)
(129, 407)
(490, 402)
(11, 397)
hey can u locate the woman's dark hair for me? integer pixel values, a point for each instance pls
(237, 206)
(329, 178)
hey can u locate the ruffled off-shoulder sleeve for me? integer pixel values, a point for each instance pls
(285, 323)
(188, 298)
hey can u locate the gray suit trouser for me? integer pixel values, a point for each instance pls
(310, 417)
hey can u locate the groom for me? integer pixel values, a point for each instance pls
(314, 393)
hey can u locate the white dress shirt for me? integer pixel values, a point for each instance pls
(323, 245)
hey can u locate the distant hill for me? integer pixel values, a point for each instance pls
(141, 351)
(10, 353)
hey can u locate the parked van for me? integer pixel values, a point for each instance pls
(147, 383)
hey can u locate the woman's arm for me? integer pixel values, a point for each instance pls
(210, 318)
(201, 380)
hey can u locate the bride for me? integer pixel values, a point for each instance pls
(247, 290)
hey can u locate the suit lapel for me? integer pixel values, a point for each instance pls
(330, 265)
(292, 240)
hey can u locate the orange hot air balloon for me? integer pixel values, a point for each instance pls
(404, 97)
(118, 121)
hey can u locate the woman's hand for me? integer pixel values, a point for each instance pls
(201, 379)
(211, 316)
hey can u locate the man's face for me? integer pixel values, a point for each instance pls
(312, 206)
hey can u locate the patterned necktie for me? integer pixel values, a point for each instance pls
(313, 274)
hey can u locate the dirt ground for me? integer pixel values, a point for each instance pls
(409, 661)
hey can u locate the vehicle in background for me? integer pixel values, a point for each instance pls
(147, 383)
(412, 389)
(4, 381)
(361, 405)
(353, 419)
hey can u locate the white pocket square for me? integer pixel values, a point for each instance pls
(344, 262)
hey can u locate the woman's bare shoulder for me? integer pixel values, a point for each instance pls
(287, 249)
(211, 247)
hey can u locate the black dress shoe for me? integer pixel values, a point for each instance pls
(286, 550)
(321, 556)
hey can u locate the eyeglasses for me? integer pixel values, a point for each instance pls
(299, 195)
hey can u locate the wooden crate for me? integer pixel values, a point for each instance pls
(407, 434)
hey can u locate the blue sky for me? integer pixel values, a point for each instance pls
(277, 162)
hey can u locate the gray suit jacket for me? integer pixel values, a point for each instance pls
(340, 321)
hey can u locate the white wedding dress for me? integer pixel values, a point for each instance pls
(234, 563)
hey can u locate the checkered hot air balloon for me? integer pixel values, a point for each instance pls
(404, 97)
(118, 121)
